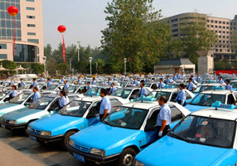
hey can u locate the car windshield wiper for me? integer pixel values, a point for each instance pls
(177, 136)
(106, 122)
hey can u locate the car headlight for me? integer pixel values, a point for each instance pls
(97, 152)
(12, 122)
(28, 128)
(138, 163)
(71, 143)
(45, 133)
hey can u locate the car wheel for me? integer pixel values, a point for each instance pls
(66, 138)
(127, 156)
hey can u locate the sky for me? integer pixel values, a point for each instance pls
(84, 19)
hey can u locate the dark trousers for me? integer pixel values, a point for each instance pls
(101, 117)
(179, 101)
(165, 131)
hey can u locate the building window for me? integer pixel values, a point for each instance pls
(212, 26)
(34, 40)
(38, 58)
(223, 41)
(3, 46)
(227, 23)
(227, 27)
(220, 36)
(223, 31)
(215, 21)
(219, 22)
(31, 33)
(219, 31)
(219, 26)
(215, 26)
(223, 36)
(30, 8)
(223, 22)
(223, 27)
(31, 17)
(31, 25)
(216, 50)
(3, 56)
(216, 31)
(220, 50)
(219, 41)
(208, 20)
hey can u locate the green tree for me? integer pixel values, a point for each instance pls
(195, 36)
(133, 33)
(62, 68)
(37, 68)
(8, 64)
(48, 51)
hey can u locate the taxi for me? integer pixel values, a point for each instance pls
(16, 103)
(205, 137)
(81, 114)
(205, 87)
(123, 134)
(170, 94)
(206, 98)
(44, 106)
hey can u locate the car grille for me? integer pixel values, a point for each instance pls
(81, 148)
(36, 131)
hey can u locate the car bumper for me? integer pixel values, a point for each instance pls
(45, 138)
(12, 126)
(92, 157)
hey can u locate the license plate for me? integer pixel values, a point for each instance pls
(3, 126)
(33, 138)
(79, 157)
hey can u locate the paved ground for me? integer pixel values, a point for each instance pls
(49, 154)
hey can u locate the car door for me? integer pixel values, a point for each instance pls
(93, 115)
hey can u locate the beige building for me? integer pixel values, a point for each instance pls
(29, 34)
(223, 27)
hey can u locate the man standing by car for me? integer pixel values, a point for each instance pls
(49, 83)
(190, 85)
(36, 94)
(22, 84)
(164, 117)
(161, 85)
(34, 83)
(228, 86)
(105, 105)
(181, 97)
(88, 86)
(112, 89)
(51, 79)
(12, 82)
(66, 86)
(142, 91)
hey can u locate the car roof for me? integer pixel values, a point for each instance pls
(211, 84)
(222, 92)
(166, 90)
(142, 105)
(219, 113)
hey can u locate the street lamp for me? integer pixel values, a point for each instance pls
(70, 60)
(44, 58)
(125, 61)
(78, 50)
(90, 59)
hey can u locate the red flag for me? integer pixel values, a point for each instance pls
(64, 51)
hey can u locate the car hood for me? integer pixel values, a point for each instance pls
(102, 136)
(56, 123)
(193, 108)
(9, 107)
(18, 114)
(172, 151)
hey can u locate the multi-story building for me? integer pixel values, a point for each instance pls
(29, 45)
(223, 27)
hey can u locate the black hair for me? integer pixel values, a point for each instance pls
(104, 91)
(88, 83)
(163, 98)
(182, 85)
(34, 79)
(48, 79)
(14, 86)
(161, 79)
(112, 83)
(35, 88)
(63, 93)
(227, 81)
(190, 79)
(142, 83)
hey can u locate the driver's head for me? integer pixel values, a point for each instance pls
(13, 87)
(142, 84)
(112, 85)
(88, 83)
(103, 92)
(161, 79)
(65, 81)
(227, 82)
(33, 79)
(162, 100)
(181, 86)
(48, 79)
(35, 89)
(62, 93)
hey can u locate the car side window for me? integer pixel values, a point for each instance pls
(151, 122)
(231, 99)
(134, 94)
(54, 105)
(175, 114)
(115, 103)
(174, 95)
(94, 109)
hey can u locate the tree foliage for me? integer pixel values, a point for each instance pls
(134, 33)
(8, 64)
(62, 68)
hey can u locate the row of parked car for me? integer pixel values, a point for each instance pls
(205, 128)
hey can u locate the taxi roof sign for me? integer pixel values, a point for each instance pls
(143, 98)
(218, 104)
(218, 88)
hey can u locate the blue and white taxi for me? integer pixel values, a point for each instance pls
(123, 134)
(205, 137)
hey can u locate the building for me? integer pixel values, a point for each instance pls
(182, 65)
(29, 34)
(223, 27)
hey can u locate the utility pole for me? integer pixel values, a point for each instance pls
(78, 50)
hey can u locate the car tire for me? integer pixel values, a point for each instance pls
(127, 157)
(66, 138)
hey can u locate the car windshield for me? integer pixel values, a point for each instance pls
(20, 98)
(92, 91)
(147, 84)
(207, 131)
(203, 88)
(157, 94)
(233, 84)
(75, 108)
(123, 84)
(40, 85)
(3, 94)
(41, 103)
(130, 118)
(52, 87)
(208, 99)
(123, 93)
(72, 89)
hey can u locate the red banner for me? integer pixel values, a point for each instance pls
(14, 38)
(64, 51)
(226, 71)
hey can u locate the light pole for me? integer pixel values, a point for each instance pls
(90, 59)
(125, 61)
(70, 60)
(78, 50)
(96, 67)
(44, 58)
